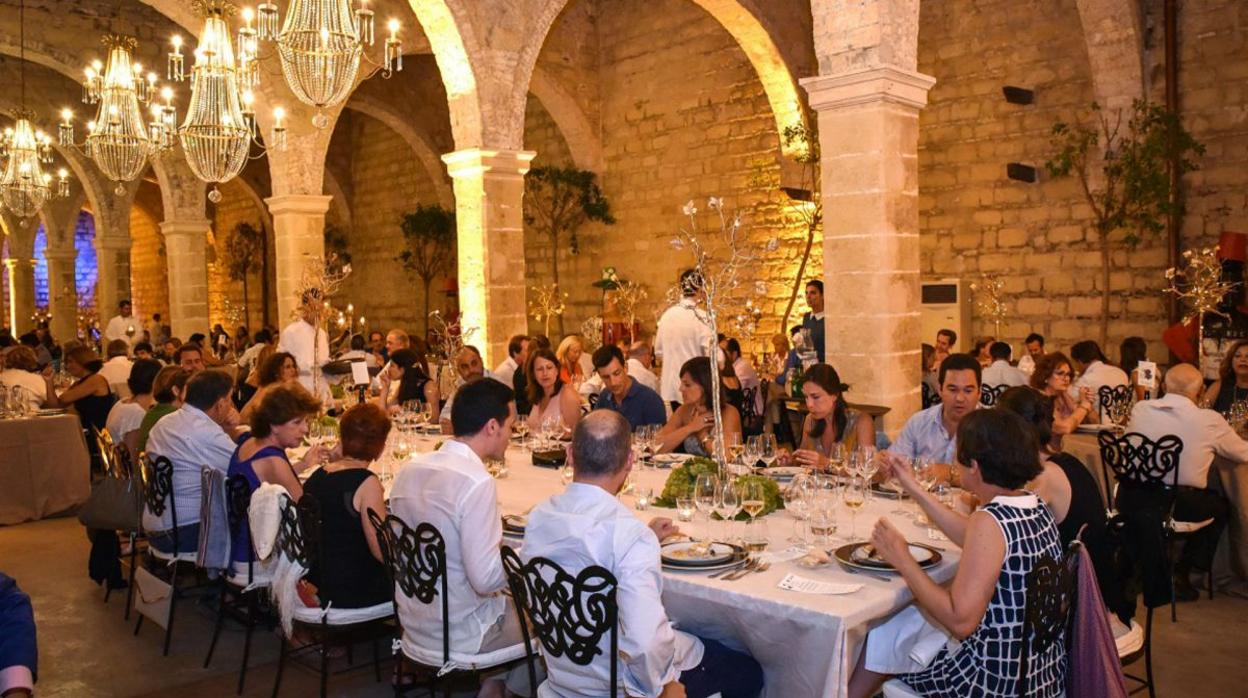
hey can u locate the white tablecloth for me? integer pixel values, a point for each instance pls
(806, 644)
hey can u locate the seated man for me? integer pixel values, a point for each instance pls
(18, 653)
(587, 525)
(199, 434)
(1000, 372)
(641, 365)
(1205, 434)
(931, 433)
(470, 367)
(517, 354)
(745, 372)
(450, 489)
(117, 369)
(640, 405)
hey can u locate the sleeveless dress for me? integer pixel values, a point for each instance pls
(552, 409)
(241, 549)
(849, 439)
(1227, 396)
(986, 664)
(346, 574)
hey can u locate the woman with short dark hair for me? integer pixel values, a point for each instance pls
(983, 607)
(690, 426)
(829, 420)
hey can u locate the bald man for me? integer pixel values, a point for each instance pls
(1205, 434)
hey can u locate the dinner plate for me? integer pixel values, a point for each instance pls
(855, 555)
(733, 563)
(1094, 428)
(880, 490)
(49, 412)
(669, 460)
(783, 472)
(681, 554)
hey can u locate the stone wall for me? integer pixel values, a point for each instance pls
(236, 207)
(149, 270)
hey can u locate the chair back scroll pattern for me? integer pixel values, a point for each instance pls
(570, 615)
(297, 530)
(989, 394)
(158, 485)
(416, 560)
(1051, 593)
(930, 396)
(1134, 457)
(1109, 396)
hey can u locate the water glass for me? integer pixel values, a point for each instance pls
(705, 494)
(727, 506)
(645, 495)
(756, 536)
(822, 519)
(685, 509)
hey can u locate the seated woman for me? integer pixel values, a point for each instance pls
(407, 366)
(167, 394)
(278, 423)
(21, 370)
(690, 426)
(279, 369)
(1232, 383)
(734, 391)
(126, 416)
(1052, 378)
(569, 353)
(1131, 352)
(980, 614)
(90, 395)
(546, 391)
(350, 573)
(830, 420)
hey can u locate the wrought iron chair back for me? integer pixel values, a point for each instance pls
(751, 420)
(930, 396)
(1110, 398)
(237, 502)
(989, 394)
(104, 449)
(1135, 458)
(298, 532)
(123, 465)
(570, 615)
(1051, 594)
(158, 487)
(416, 560)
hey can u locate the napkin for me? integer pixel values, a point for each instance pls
(905, 643)
(805, 585)
(782, 555)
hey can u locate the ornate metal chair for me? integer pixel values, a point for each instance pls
(157, 474)
(989, 394)
(1051, 592)
(930, 397)
(1114, 400)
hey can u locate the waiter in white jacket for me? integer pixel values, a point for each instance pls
(682, 335)
(308, 343)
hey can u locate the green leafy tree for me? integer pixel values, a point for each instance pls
(1124, 174)
(558, 202)
(337, 247)
(244, 249)
(429, 233)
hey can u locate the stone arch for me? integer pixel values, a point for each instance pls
(334, 188)
(457, 53)
(425, 152)
(581, 136)
(1112, 30)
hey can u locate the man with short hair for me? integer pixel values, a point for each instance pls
(199, 434)
(517, 354)
(19, 652)
(124, 325)
(162, 333)
(945, 340)
(169, 348)
(1000, 372)
(117, 369)
(932, 433)
(396, 339)
(450, 489)
(470, 367)
(308, 343)
(641, 364)
(262, 339)
(1035, 349)
(813, 320)
(640, 405)
(143, 350)
(587, 525)
(358, 353)
(681, 335)
(1204, 434)
(190, 357)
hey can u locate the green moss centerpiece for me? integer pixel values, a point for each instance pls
(682, 478)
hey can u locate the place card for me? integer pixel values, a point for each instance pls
(359, 373)
(1146, 376)
(933, 534)
(804, 585)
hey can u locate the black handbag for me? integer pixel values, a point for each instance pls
(114, 504)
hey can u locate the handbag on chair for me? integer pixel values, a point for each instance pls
(114, 504)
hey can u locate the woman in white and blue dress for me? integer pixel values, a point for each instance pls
(966, 639)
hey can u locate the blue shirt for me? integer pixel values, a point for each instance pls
(790, 361)
(924, 436)
(641, 406)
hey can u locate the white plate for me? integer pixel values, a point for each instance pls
(783, 472)
(710, 568)
(720, 553)
(668, 460)
(1093, 428)
(921, 555)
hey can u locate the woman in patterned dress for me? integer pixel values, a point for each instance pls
(981, 612)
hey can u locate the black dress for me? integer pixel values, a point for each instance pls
(1227, 396)
(1087, 512)
(346, 574)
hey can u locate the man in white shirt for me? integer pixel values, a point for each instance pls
(124, 325)
(1035, 349)
(681, 335)
(470, 367)
(450, 489)
(117, 369)
(640, 365)
(357, 352)
(1095, 372)
(308, 343)
(248, 359)
(1000, 372)
(517, 354)
(1205, 434)
(587, 525)
(199, 434)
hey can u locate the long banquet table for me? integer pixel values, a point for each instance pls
(807, 644)
(44, 467)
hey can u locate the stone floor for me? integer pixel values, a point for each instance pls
(86, 650)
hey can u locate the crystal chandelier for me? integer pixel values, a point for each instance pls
(118, 140)
(321, 44)
(24, 186)
(220, 124)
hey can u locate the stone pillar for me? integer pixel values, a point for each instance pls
(62, 291)
(868, 136)
(489, 211)
(21, 294)
(298, 235)
(112, 282)
(186, 252)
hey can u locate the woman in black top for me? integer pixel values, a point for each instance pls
(1232, 383)
(408, 366)
(1071, 493)
(348, 572)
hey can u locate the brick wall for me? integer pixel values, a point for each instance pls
(149, 270)
(236, 206)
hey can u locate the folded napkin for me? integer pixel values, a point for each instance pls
(781, 555)
(907, 642)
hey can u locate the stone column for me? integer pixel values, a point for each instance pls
(868, 136)
(62, 291)
(186, 252)
(489, 210)
(21, 294)
(298, 235)
(112, 282)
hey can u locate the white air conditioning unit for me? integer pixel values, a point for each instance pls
(946, 305)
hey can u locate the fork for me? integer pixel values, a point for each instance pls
(759, 566)
(749, 565)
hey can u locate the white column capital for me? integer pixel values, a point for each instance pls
(109, 242)
(884, 83)
(63, 254)
(477, 161)
(176, 228)
(299, 204)
(17, 263)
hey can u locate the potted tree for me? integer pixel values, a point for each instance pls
(429, 233)
(243, 247)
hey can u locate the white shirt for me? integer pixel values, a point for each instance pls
(36, 388)
(643, 375)
(310, 347)
(445, 414)
(1204, 433)
(681, 335)
(118, 326)
(1095, 375)
(123, 418)
(506, 371)
(117, 371)
(450, 489)
(190, 440)
(249, 356)
(749, 379)
(1027, 365)
(1000, 372)
(583, 526)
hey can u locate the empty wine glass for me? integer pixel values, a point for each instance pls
(750, 452)
(705, 493)
(767, 451)
(822, 518)
(727, 506)
(752, 502)
(521, 427)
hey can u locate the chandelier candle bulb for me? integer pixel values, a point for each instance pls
(176, 70)
(364, 24)
(268, 21)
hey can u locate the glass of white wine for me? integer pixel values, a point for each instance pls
(753, 502)
(855, 497)
(521, 427)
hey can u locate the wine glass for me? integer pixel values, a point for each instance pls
(767, 451)
(797, 498)
(521, 427)
(752, 501)
(855, 497)
(884, 469)
(727, 506)
(565, 474)
(733, 447)
(836, 458)
(822, 518)
(926, 475)
(705, 492)
(750, 452)
(400, 449)
(316, 431)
